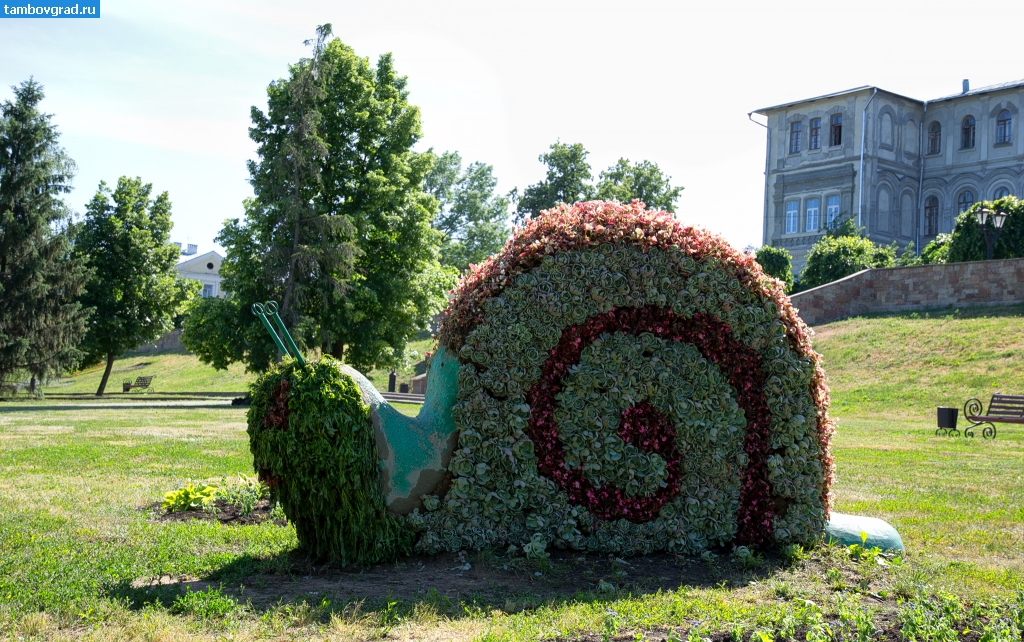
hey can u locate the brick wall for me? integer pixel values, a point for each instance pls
(978, 283)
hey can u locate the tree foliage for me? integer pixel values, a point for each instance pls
(472, 218)
(643, 181)
(776, 262)
(834, 257)
(348, 224)
(135, 290)
(568, 180)
(41, 321)
(967, 243)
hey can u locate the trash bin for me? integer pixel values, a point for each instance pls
(947, 420)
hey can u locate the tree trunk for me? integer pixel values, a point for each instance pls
(106, 373)
(338, 351)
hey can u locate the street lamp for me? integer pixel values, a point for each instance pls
(998, 218)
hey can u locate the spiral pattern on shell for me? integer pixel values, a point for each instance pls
(629, 384)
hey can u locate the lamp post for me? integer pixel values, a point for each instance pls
(998, 218)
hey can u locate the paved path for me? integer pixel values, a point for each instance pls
(99, 405)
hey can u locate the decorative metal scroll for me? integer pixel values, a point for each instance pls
(269, 309)
(974, 408)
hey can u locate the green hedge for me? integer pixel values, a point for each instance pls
(312, 443)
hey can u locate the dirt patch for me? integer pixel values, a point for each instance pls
(509, 583)
(220, 511)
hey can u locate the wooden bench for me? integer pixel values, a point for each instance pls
(141, 383)
(1007, 409)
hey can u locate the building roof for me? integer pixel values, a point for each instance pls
(199, 260)
(974, 92)
(1013, 84)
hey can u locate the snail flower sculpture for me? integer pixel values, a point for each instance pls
(610, 381)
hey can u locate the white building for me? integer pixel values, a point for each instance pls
(204, 268)
(903, 168)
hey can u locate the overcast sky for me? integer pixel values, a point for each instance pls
(163, 90)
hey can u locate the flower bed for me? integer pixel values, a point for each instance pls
(629, 384)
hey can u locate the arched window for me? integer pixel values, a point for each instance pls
(934, 138)
(885, 130)
(792, 217)
(967, 133)
(910, 137)
(883, 210)
(1004, 127)
(965, 201)
(907, 216)
(813, 205)
(1001, 192)
(832, 213)
(931, 216)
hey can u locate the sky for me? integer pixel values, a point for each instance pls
(163, 90)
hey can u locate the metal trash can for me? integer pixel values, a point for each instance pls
(947, 421)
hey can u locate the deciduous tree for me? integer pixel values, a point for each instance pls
(348, 225)
(567, 181)
(643, 181)
(135, 290)
(41, 321)
(472, 217)
(967, 243)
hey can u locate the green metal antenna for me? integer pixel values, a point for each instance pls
(262, 310)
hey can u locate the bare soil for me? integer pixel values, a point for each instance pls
(220, 511)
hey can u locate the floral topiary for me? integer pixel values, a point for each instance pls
(629, 384)
(313, 445)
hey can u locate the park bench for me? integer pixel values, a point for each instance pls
(141, 383)
(1008, 409)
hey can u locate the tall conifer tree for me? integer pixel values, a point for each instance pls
(41, 322)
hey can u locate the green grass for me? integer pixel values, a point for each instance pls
(178, 371)
(73, 539)
(171, 372)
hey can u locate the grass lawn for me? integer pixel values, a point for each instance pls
(82, 558)
(171, 372)
(178, 371)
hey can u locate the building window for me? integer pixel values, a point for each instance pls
(792, 217)
(934, 138)
(1001, 192)
(1004, 127)
(812, 214)
(835, 133)
(966, 200)
(794, 137)
(814, 142)
(931, 216)
(832, 211)
(207, 291)
(967, 133)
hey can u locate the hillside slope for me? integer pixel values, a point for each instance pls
(905, 365)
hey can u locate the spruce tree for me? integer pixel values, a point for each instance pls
(41, 321)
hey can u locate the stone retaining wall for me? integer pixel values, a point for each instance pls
(921, 287)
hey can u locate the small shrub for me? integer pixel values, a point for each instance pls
(205, 605)
(245, 493)
(188, 497)
(776, 262)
